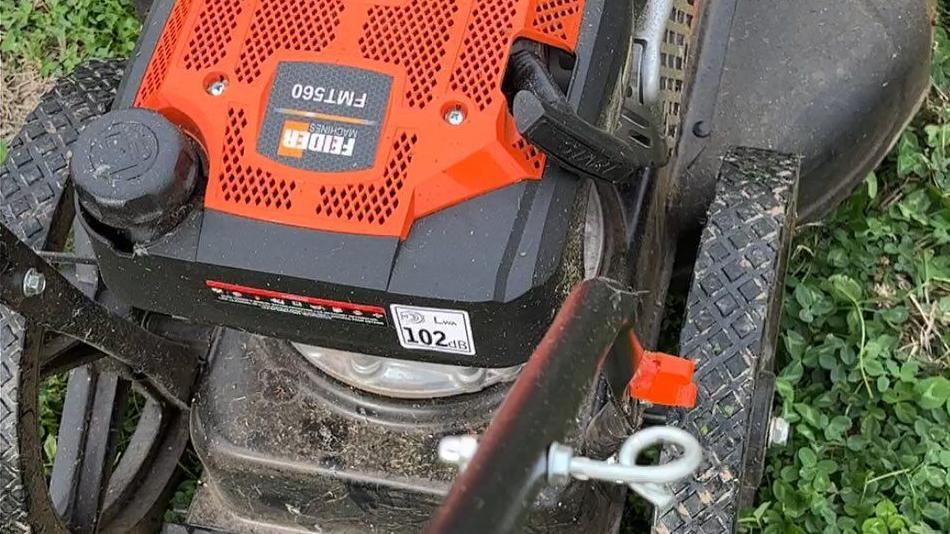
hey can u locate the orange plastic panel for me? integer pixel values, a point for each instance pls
(441, 55)
(661, 378)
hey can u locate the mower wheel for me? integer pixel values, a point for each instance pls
(142, 8)
(88, 489)
(730, 331)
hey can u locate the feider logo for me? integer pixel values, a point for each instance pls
(297, 137)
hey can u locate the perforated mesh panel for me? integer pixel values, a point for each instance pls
(484, 50)
(439, 54)
(161, 58)
(375, 202)
(414, 37)
(372, 203)
(246, 184)
(533, 157)
(674, 54)
(213, 33)
(558, 19)
(308, 25)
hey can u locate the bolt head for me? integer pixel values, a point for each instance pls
(559, 463)
(779, 430)
(701, 129)
(217, 88)
(365, 365)
(457, 450)
(470, 375)
(34, 283)
(455, 116)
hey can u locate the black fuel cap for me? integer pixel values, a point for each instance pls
(135, 171)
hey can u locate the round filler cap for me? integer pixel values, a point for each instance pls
(134, 171)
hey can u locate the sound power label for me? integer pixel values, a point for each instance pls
(433, 329)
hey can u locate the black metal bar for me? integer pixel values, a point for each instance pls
(80, 390)
(98, 451)
(66, 257)
(502, 480)
(168, 368)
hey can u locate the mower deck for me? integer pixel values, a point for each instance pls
(286, 447)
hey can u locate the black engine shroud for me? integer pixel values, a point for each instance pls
(505, 258)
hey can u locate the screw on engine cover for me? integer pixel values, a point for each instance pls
(34, 283)
(779, 430)
(701, 129)
(470, 375)
(217, 87)
(364, 365)
(455, 116)
(457, 450)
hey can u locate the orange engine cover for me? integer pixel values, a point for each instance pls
(333, 114)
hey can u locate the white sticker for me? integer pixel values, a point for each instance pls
(433, 329)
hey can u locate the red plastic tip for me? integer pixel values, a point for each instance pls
(662, 378)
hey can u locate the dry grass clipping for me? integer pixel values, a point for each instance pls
(21, 87)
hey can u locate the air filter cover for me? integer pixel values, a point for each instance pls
(353, 116)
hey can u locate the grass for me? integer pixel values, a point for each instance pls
(865, 357)
(865, 353)
(57, 35)
(42, 39)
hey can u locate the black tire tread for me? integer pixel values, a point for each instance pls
(31, 188)
(730, 331)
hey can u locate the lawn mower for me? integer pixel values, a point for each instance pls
(402, 265)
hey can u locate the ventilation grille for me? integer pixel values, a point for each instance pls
(308, 25)
(558, 19)
(161, 59)
(484, 51)
(533, 158)
(371, 203)
(440, 54)
(414, 37)
(674, 54)
(212, 33)
(244, 184)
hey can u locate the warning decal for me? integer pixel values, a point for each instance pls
(316, 308)
(434, 329)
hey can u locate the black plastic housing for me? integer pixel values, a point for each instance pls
(835, 82)
(507, 258)
(505, 269)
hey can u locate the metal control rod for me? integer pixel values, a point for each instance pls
(509, 468)
(36, 290)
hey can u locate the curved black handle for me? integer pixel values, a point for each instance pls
(546, 119)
